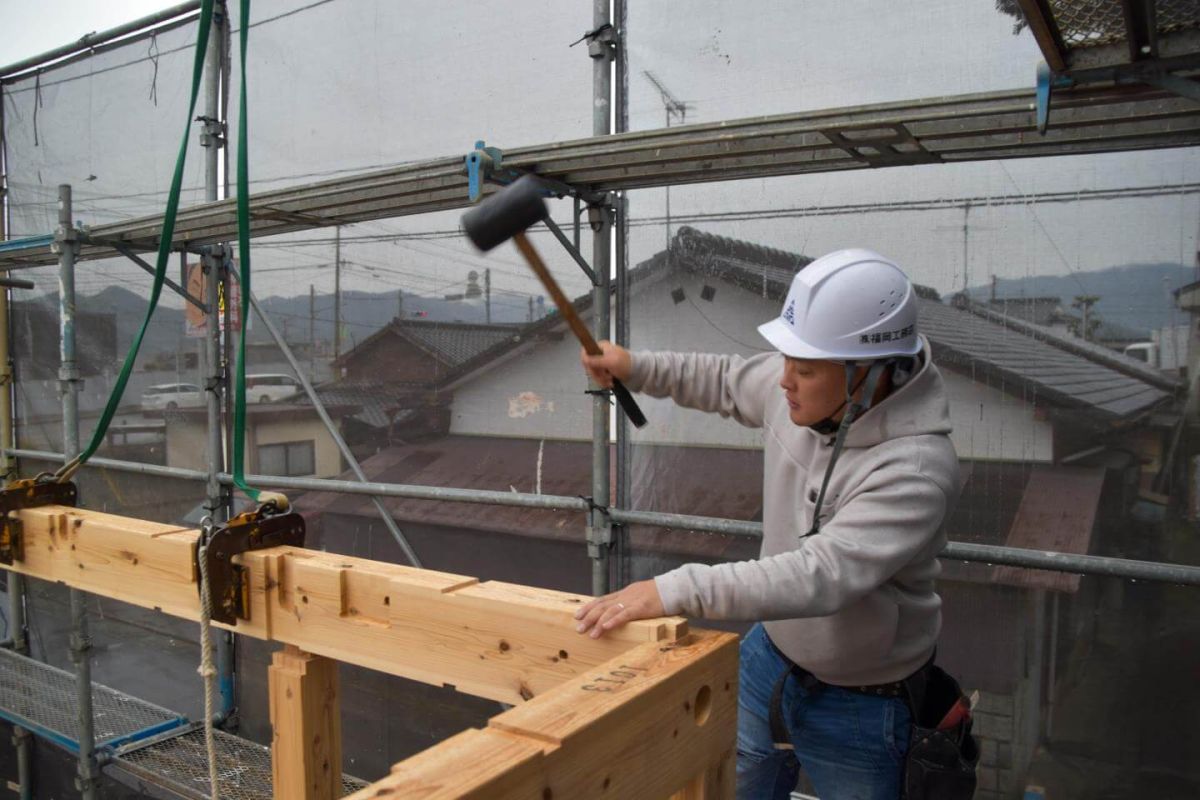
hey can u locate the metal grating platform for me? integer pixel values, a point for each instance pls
(42, 699)
(179, 765)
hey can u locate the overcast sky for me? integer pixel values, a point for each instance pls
(32, 28)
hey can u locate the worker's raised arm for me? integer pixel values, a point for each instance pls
(731, 386)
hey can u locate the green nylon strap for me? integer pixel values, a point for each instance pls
(243, 220)
(164, 253)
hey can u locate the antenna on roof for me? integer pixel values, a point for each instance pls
(675, 108)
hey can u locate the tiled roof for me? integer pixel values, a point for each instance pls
(377, 403)
(1038, 310)
(751, 263)
(1044, 371)
(1088, 350)
(455, 343)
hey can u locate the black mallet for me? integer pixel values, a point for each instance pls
(506, 215)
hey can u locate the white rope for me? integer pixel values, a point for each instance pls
(207, 670)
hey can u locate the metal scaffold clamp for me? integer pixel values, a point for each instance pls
(484, 164)
(272, 524)
(43, 490)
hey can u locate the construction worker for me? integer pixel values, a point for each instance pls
(844, 589)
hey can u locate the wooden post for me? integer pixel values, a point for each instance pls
(716, 782)
(306, 748)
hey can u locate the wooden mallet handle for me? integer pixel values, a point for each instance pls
(567, 309)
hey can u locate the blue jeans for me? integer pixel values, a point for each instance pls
(851, 745)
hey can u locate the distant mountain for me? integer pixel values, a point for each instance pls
(363, 313)
(1134, 296)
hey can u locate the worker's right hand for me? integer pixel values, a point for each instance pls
(614, 363)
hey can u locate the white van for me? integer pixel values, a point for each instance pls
(167, 396)
(270, 387)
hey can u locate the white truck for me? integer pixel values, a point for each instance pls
(1166, 350)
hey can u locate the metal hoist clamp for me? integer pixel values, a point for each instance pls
(258, 529)
(28, 493)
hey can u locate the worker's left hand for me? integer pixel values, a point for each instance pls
(636, 601)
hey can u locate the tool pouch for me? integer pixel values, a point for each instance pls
(941, 760)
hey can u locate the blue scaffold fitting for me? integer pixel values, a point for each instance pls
(483, 164)
(1047, 82)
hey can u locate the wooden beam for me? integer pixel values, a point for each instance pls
(659, 720)
(716, 781)
(496, 640)
(306, 743)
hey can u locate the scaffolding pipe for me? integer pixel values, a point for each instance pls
(16, 283)
(335, 434)
(22, 740)
(599, 528)
(622, 555)
(1098, 566)
(216, 503)
(68, 380)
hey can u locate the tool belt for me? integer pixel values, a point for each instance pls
(942, 753)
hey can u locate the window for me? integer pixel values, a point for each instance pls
(287, 459)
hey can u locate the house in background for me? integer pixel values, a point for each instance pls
(284, 439)
(399, 377)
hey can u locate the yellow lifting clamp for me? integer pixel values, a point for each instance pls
(269, 525)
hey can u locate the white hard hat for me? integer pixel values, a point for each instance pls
(847, 305)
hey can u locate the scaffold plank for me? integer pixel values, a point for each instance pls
(996, 125)
(43, 699)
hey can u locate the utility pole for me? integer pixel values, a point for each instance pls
(1084, 302)
(674, 107)
(995, 280)
(530, 310)
(312, 327)
(337, 291)
(487, 294)
(400, 304)
(966, 240)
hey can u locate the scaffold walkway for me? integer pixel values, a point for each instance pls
(144, 745)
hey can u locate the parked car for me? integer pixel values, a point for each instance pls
(268, 387)
(172, 395)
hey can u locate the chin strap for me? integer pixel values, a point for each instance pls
(853, 409)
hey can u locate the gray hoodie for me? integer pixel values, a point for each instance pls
(854, 604)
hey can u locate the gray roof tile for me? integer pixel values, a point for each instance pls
(455, 343)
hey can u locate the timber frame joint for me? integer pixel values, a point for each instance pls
(28, 493)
